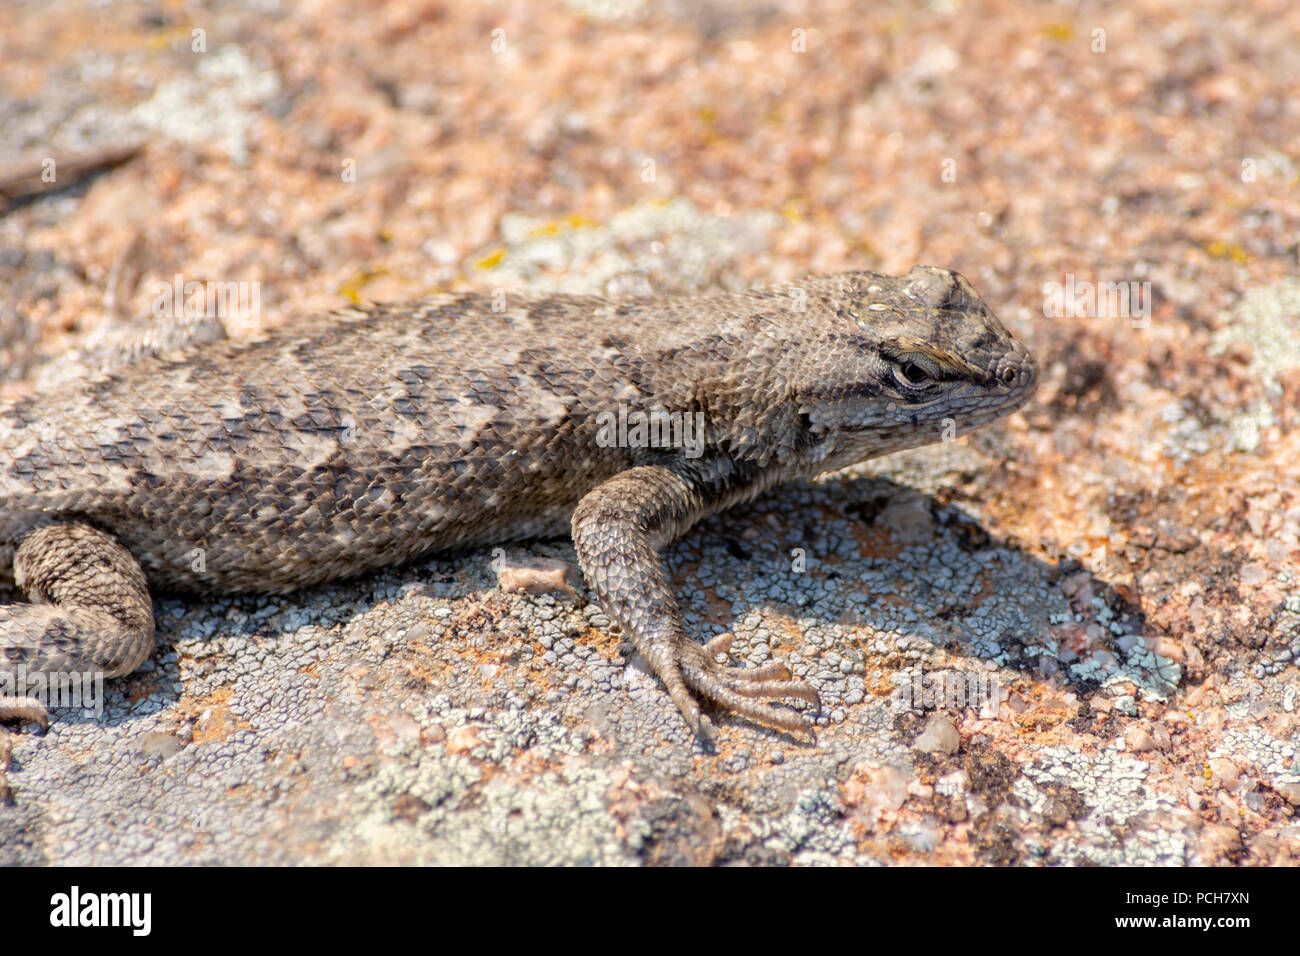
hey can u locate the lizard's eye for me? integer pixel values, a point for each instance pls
(913, 374)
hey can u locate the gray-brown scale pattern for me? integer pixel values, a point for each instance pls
(372, 436)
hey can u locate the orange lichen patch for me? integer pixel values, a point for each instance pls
(428, 673)
(874, 542)
(984, 578)
(1045, 719)
(213, 721)
(881, 686)
(425, 663)
(603, 641)
(718, 608)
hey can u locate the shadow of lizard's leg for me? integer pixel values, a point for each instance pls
(619, 528)
(90, 611)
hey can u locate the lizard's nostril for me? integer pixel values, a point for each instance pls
(1009, 376)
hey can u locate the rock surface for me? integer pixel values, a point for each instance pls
(1099, 598)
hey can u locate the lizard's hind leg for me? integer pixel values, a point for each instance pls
(90, 613)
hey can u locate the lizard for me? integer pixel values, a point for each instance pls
(376, 435)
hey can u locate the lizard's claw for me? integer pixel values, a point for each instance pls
(742, 690)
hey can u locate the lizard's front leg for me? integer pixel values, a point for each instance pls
(90, 611)
(619, 528)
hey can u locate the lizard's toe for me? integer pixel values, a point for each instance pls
(24, 708)
(6, 750)
(690, 710)
(777, 690)
(771, 671)
(768, 674)
(745, 691)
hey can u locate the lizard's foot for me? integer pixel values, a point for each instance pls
(6, 795)
(742, 690)
(24, 708)
(16, 708)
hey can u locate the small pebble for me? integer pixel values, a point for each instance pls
(939, 736)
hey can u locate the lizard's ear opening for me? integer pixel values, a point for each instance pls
(815, 434)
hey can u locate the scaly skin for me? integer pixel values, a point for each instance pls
(373, 436)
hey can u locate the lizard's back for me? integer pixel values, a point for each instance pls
(323, 449)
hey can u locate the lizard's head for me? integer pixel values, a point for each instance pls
(907, 361)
